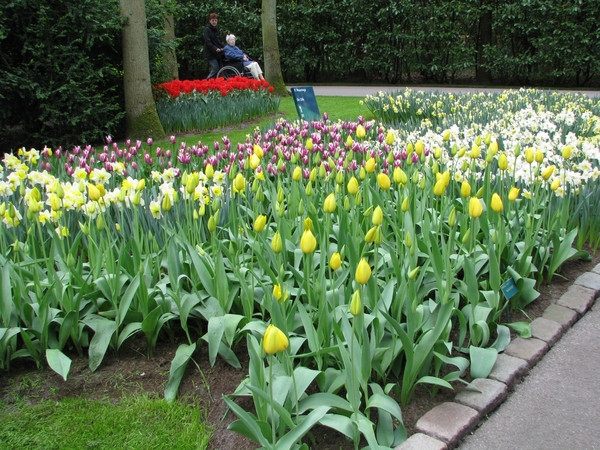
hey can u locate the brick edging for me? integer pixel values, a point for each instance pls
(445, 425)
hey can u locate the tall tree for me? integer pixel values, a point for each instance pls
(141, 118)
(170, 58)
(271, 47)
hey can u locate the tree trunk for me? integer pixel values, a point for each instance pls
(483, 75)
(141, 118)
(170, 55)
(271, 47)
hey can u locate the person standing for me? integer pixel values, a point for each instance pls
(213, 48)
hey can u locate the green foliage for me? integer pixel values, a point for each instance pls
(134, 423)
(59, 72)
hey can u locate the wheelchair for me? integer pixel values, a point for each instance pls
(232, 69)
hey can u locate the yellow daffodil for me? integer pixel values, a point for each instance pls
(274, 340)
(363, 272)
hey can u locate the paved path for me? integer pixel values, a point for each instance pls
(362, 91)
(557, 407)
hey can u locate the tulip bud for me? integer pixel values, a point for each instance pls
(100, 223)
(277, 243)
(330, 204)
(539, 156)
(274, 340)
(370, 236)
(260, 222)
(408, 240)
(384, 181)
(446, 136)
(277, 292)
(308, 243)
(239, 183)
(389, 138)
(93, 192)
(209, 171)
(212, 223)
(452, 217)
(413, 273)
(254, 161)
(502, 162)
(496, 203)
(308, 190)
(166, 204)
(377, 218)
(439, 187)
(352, 186)
(346, 204)
(363, 272)
(356, 305)
(465, 189)
(335, 261)
(547, 172)
(475, 207)
(300, 207)
(405, 204)
(309, 144)
(529, 155)
(513, 193)
(555, 184)
(466, 237)
(566, 152)
(370, 165)
(475, 151)
(360, 132)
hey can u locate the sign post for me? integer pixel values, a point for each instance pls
(306, 103)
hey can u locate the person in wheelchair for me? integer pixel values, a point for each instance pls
(234, 54)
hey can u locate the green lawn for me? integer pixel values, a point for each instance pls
(134, 423)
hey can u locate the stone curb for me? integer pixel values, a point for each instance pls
(444, 426)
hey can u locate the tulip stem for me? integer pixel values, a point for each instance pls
(273, 434)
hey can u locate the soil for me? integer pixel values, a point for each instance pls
(131, 371)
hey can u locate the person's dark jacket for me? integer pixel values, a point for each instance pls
(212, 41)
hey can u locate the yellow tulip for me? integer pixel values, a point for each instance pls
(360, 132)
(335, 262)
(496, 203)
(258, 151)
(209, 171)
(452, 217)
(308, 243)
(439, 187)
(405, 204)
(356, 305)
(274, 340)
(239, 183)
(352, 186)
(277, 243)
(54, 202)
(259, 223)
(308, 224)
(212, 223)
(475, 151)
(408, 240)
(502, 162)
(475, 207)
(377, 218)
(446, 136)
(389, 138)
(309, 144)
(330, 204)
(465, 189)
(277, 292)
(413, 273)
(566, 152)
(539, 156)
(513, 193)
(166, 204)
(363, 272)
(93, 192)
(370, 236)
(547, 172)
(555, 184)
(384, 181)
(493, 147)
(419, 147)
(529, 155)
(370, 165)
(254, 161)
(297, 174)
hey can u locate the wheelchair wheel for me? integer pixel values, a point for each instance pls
(228, 72)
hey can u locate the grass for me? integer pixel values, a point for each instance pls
(139, 422)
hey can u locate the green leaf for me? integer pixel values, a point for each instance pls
(6, 304)
(103, 332)
(293, 436)
(180, 361)
(59, 362)
(248, 425)
(125, 302)
(482, 361)
(523, 328)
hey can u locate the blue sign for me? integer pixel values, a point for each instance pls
(306, 103)
(510, 289)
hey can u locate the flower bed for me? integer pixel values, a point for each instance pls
(354, 258)
(195, 105)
